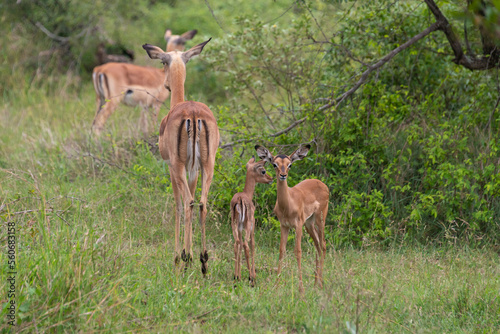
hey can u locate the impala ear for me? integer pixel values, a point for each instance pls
(168, 34)
(300, 153)
(251, 161)
(155, 52)
(264, 153)
(194, 51)
(189, 34)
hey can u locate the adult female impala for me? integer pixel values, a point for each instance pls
(188, 141)
(133, 85)
(306, 204)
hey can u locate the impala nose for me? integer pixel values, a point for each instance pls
(282, 177)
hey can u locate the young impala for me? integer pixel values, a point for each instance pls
(242, 217)
(188, 141)
(306, 204)
(132, 85)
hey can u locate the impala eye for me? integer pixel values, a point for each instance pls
(275, 165)
(290, 165)
(263, 172)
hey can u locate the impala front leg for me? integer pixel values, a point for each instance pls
(284, 239)
(298, 255)
(143, 121)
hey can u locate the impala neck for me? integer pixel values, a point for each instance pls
(283, 195)
(249, 186)
(177, 75)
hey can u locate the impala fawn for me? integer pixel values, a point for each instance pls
(306, 204)
(242, 217)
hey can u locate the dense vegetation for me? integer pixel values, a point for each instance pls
(411, 159)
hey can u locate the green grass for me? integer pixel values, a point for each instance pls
(95, 241)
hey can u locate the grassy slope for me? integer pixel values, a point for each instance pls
(100, 257)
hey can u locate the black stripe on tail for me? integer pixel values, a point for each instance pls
(194, 145)
(207, 137)
(102, 78)
(179, 137)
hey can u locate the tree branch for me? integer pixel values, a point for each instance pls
(379, 64)
(441, 23)
(56, 37)
(485, 62)
(279, 133)
(364, 77)
(51, 35)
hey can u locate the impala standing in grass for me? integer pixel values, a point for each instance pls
(306, 204)
(242, 217)
(188, 141)
(133, 85)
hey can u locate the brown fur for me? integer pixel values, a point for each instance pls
(133, 85)
(306, 204)
(242, 207)
(187, 148)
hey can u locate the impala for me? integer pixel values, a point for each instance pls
(133, 85)
(242, 217)
(306, 204)
(188, 142)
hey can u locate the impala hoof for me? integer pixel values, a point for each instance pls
(186, 257)
(204, 260)
(252, 281)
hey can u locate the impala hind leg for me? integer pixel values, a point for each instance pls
(252, 252)
(247, 253)
(206, 180)
(187, 201)
(178, 215)
(237, 251)
(102, 115)
(320, 227)
(319, 253)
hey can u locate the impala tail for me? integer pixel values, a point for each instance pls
(197, 146)
(240, 214)
(101, 87)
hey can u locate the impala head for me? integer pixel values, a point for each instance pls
(257, 170)
(282, 162)
(174, 61)
(178, 42)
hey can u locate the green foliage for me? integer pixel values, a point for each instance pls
(410, 159)
(402, 160)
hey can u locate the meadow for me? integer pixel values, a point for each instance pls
(412, 231)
